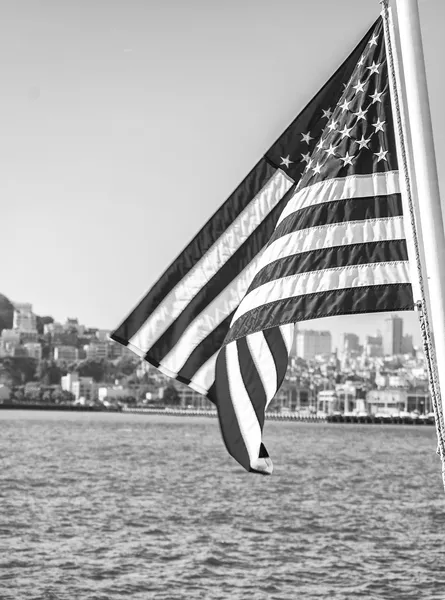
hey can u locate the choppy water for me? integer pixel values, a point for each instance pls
(113, 507)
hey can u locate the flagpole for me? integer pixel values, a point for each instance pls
(427, 185)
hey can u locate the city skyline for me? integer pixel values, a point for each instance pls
(121, 133)
(339, 325)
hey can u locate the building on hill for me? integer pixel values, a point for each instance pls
(24, 319)
(80, 387)
(34, 350)
(65, 353)
(5, 393)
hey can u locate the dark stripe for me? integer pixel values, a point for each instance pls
(206, 349)
(251, 379)
(221, 280)
(226, 413)
(193, 253)
(277, 347)
(339, 211)
(329, 258)
(370, 299)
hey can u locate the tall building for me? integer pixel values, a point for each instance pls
(310, 344)
(351, 342)
(24, 318)
(393, 335)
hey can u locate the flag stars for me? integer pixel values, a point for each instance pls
(376, 96)
(363, 143)
(306, 157)
(332, 125)
(345, 105)
(317, 168)
(320, 144)
(309, 164)
(306, 137)
(286, 161)
(360, 114)
(378, 125)
(361, 61)
(347, 159)
(326, 113)
(330, 151)
(374, 68)
(381, 155)
(345, 132)
(359, 87)
(373, 40)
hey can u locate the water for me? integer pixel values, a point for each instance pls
(121, 506)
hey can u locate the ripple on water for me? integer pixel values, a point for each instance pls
(126, 506)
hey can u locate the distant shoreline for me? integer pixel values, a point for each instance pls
(176, 412)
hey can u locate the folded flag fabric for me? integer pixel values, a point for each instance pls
(315, 229)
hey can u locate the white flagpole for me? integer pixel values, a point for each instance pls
(426, 180)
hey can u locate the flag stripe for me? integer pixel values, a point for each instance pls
(235, 234)
(246, 422)
(206, 322)
(205, 349)
(264, 362)
(279, 351)
(328, 236)
(204, 377)
(323, 281)
(222, 279)
(338, 211)
(381, 298)
(340, 188)
(197, 248)
(329, 258)
(228, 418)
(251, 379)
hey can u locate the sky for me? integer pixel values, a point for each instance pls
(126, 123)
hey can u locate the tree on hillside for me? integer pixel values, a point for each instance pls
(17, 370)
(171, 396)
(91, 368)
(6, 313)
(41, 321)
(49, 373)
(126, 365)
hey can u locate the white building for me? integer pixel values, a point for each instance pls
(5, 392)
(65, 353)
(52, 328)
(34, 350)
(24, 319)
(81, 387)
(310, 344)
(387, 401)
(115, 391)
(97, 350)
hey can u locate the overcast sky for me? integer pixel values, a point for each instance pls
(124, 124)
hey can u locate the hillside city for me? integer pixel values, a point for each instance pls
(43, 362)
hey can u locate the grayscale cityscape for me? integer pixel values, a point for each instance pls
(43, 362)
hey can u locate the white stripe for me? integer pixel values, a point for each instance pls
(210, 318)
(221, 251)
(287, 331)
(354, 186)
(205, 376)
(244, 411)
(264, 362)
(324, 281)
(337, 234)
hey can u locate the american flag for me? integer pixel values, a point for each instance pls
(315, 230)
